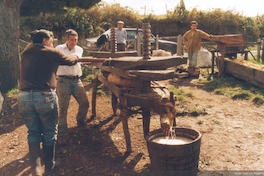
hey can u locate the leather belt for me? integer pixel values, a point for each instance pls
(37, 90)
(69, 77)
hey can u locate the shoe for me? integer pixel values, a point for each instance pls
(57, 164)
(51, 165)
(81, 124)
(35, 159)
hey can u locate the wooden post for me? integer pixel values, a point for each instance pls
(213, 61)
(124, 118)
(146, 112)
(146, 121)
(172, 100)
(138, 43)
(157, 42)
(114, 103)
(262, 55)
(220, 64)
(258, 49)
(179, 46)
(95, 84)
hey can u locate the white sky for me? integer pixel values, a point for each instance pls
(248, 8)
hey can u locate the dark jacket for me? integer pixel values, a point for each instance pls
(38, 67)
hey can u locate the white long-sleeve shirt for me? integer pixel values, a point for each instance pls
(74, 70)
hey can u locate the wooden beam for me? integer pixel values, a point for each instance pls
(105, 54)
(113, 88)
(245, 72)
(118, 71)
(92, 59)
(153, 75)
(154, 63)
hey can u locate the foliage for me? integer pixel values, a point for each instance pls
(180, 95)
(101, 16)
(51, 6)
(60, 23)
(106, 16)
(259, 20)
(13, 91)
(180, 12)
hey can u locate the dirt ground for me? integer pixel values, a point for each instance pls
(232, 138)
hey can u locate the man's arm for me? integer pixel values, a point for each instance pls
(125, 32)
(66, 59)
(185, 40)
(205, 35)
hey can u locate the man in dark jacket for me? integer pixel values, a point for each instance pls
(37, 99)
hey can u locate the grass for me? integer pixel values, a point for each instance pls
(13, 91)
(200, 122)
(235, 89)
(181, 96)
(216, 122)
(227, 86)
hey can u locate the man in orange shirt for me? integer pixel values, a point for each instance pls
(192, 40)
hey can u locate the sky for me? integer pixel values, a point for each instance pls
(250, 8)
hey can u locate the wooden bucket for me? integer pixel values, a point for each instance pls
(179, 159)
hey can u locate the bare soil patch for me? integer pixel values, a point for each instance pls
(232, 137)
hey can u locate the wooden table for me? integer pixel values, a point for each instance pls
(228, 45)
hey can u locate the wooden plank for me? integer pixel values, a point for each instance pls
(94, 92)
(124, 118)
(229, 39)
(155, 63)
(251, 75)
(153, 75)
(137, 100)
(91, 59)
(113, 88)
(118, 71)
(104, 54)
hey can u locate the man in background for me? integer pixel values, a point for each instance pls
(69, 83)
(192, 40)
(121, 36)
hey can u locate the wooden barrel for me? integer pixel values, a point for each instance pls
(175, 159)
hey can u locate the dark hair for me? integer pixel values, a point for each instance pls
(70, 32)
(38, 35)
(193, 22)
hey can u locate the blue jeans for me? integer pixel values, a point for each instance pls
(192, 56)
(40, 114)
(65, 88)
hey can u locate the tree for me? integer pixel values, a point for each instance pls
(180, 11)
(9, 31)
(9, 37)
(58, 6)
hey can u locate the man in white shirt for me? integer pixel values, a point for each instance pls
(69, 83)
(121, 36)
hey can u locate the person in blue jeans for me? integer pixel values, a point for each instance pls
(37, 99)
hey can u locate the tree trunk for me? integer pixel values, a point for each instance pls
(9, 48)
